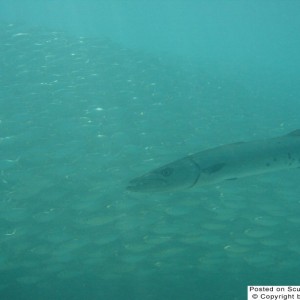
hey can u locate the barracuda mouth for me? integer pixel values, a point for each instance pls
(146, 184)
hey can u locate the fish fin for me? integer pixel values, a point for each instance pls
(294, 133)
(214, 168)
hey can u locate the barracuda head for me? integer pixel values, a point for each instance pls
(180, 174)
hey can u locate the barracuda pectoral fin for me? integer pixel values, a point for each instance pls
(207, 171)
(214, 168)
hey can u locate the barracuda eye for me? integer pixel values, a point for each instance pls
(166, 172)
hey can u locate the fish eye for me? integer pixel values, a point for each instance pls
(166, 172)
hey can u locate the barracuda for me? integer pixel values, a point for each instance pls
(225, 162)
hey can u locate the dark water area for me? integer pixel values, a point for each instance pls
(93, 94)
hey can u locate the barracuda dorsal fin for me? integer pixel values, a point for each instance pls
(294, 133)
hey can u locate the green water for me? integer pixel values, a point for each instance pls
(80, 117)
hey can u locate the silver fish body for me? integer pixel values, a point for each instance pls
(225, 162)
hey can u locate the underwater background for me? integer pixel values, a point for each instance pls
(94, 93)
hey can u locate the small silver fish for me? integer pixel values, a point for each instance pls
(8, 163)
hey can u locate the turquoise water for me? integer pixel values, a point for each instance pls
(88, 103)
